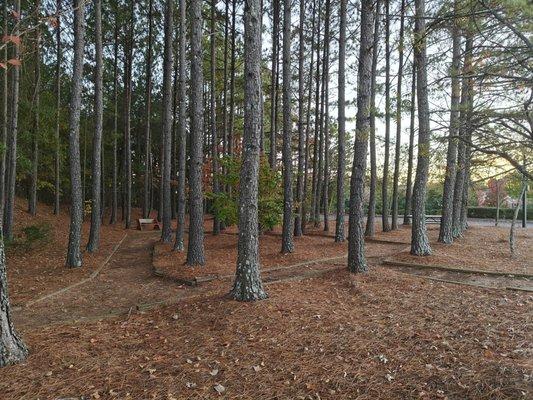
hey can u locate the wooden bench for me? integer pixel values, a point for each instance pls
(148, 224)
(430, 219)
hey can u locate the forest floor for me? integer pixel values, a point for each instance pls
(396, 332)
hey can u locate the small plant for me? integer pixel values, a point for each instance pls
(31, 236)
(270, 202)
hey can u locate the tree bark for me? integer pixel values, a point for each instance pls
(301, 132)
(326, 116)
(5, 123)
(273, 83)
(419, 238)
(461, 182)
(32, 203)
(94, 235)
(396, 176)
(212, 111)
(371, 214)
(521, 198)
(182, 136)
(232, 80)
(76, 208)
(57, 188)
(315, 192)
(409, 185)
(12, 140)
(341, 164)
(356, 243)
(385, 181)
(247, 285)
(446, 224)
(225, 83)
(287, 245)
(195, 250)
(305, 202)
(114, 188)
(147, 132)
(166, 231)
(12, 348)
(127, 120)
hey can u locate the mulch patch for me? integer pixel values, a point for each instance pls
(382, 335)
(482, 248)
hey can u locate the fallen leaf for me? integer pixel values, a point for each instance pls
(219, 388)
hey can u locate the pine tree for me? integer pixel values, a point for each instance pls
(94, 235)
(419, 238)
(147, 133)
(385, 181)
(341, 166)
(396, 176)
(247, 285)
(287, 245)
(166, 231)
(195, 249)
(446, 225)
(371, 214)
(301, 132)
(32, 201)
(11, 165)
(182, 145)
(356, 243)
(76, 208)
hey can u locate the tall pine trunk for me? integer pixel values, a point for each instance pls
(341, 163)
(273, 83)
(182, 145)
(147, 132)
(225, 83)
(32, 203)
(57, 185)
(114, 188)
(94, 235)
(461, 181)
(212, 112)
(287, 245)
(76, 207)
(356, 242)
(247, 285)
(11, 177)
(419, 237)
(127, 119)
(396, 177)
(370, 229)
(195, 250)
(5, 122)
(305, 202)
(166, 231)
(446, 224)
(301, 132)
(316, 136)
(232, 80)
(385, 181)
(326, 116)
(410, 152)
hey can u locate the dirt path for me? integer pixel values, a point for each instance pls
(125, 282)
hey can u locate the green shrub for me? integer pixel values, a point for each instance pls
(270, 202)
(490, 213)
(32, 236)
